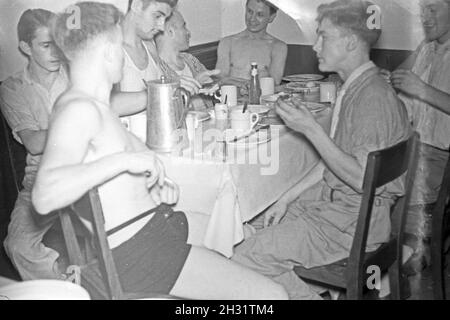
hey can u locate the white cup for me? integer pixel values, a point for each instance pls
(243, 121)
(138, 125)
(221, 111)
(328, 92)
(267, 86)
(229, 93)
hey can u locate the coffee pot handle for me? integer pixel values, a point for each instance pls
(186, 100)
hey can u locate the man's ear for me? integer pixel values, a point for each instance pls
(137, 6)
(107, 52)
(25, 48)
(352, 42)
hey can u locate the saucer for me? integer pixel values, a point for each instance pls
(259, 109)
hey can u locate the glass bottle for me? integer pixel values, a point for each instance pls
(254, 93)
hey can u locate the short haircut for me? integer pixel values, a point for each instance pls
(146, 3)
(96, 19)
(273, 8)
(352, 16)
(30, 21)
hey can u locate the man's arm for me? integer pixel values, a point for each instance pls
(128, 103)
(224, 57)
(343, 165)
(279, 54)
(62, 177)
(278, 210)
(33, 140)
(408, 82)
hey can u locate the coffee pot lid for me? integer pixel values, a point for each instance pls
(164, 81)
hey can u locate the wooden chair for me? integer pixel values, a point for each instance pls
(439, 231)
(98, 273)
(383, 166)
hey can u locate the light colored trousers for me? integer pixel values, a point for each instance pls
(23, 244)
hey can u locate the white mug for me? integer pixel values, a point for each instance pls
(138, 125)
(243, 121)
(328, 92)
(267, 86)
(229, 93)
(221, 111)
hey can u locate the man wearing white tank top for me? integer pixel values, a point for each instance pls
(144, 19)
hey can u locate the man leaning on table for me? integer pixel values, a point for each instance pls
(423, 81)
(313, 223)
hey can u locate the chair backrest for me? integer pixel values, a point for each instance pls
(92, 211)
(384, 166)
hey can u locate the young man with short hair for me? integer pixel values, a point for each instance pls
(314, 222)
(143, 21)
(26, 100)
(236, 52)
(88, 146)
(176, 64)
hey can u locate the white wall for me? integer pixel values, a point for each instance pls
(209, 20)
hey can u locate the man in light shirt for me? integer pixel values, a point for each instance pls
(313, 223)
(423, 82)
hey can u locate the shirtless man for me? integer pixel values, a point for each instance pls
(236, 52)
(26, 101)
(88, 147)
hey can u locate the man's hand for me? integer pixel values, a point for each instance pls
(275, 213)
(190, 84)
(205, 76)
(386, 75)
(168, 193)
(409, 83)
(146, 162)
(296, 116)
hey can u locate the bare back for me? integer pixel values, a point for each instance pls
(125, 195)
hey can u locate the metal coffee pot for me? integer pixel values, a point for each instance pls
(167, 106)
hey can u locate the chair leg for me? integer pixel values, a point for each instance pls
(354, 291)
(437, 269)
(395, 281)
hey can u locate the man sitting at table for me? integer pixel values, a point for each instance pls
(236, 52)
(26, 100)
(313, 223)
(87, 147)
(143, 21)
(176, 64)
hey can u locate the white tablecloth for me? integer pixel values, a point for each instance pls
(233, 192)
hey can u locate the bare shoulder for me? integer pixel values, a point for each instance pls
(277, 44)
(76, 108)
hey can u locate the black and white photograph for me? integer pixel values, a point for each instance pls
(219, 156)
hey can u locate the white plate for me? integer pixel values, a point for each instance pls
(43, 290)
(303, 77)
(259, 109)
(314, 107)
(256, 138)
(201, 115)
